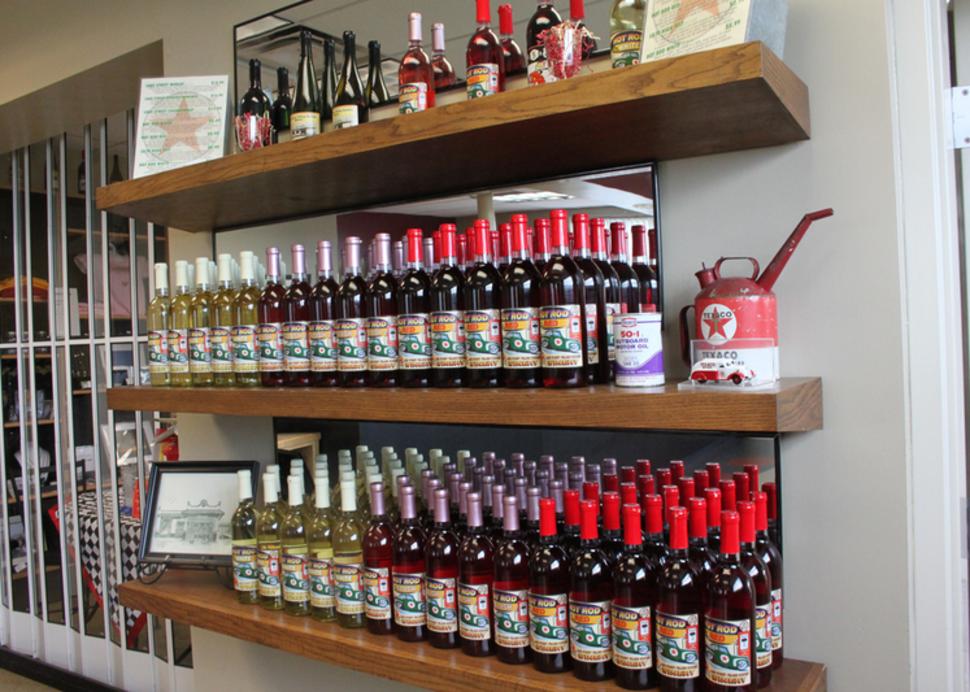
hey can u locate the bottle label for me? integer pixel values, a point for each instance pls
(270, 347)
(447, 339)
(632, 643)
(540, 70)
(382, 343)
(414, 342)
(321, 582)
(245, 352)
(520, 338)
(245, 574)
(304, 124)
(483, 339)
(323, 346)
(268, 564)
(351, 334)
(592, 334)
(511, 618)
(612, 310)
(296, 346)
(220, 348)
(413, 97)
(549, 623)
(345, 116)
(625, 48)
(296, 582)
(200, 354)
(377, 593)
(590, 631)
(562, 336)
(409, 606)
(762, 635)
(350, 589)
(776, 619)
(157, 352)
(482, 80)
(442, 606)
(178, 351)
(678, 645)
(727, 651)
(474, 608)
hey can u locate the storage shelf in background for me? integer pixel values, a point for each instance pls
(794, 405)
(728, 99)
(200, 600)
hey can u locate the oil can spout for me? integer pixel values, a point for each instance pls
(706, 276)
(772, 271)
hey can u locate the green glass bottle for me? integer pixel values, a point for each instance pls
(158, 324)
(223, 319)
(245, 353)
(200, 355)
(245, 576)
(348, 558)
(268, 545)
(296, 583)
(178, 333)
(320, 543)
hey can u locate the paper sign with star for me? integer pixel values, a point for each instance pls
(181, 121)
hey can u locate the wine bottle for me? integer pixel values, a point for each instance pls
(549, 596)
(521, 360)
(510, 596)
(376, 89)
(282, 106)
(293, 561)
(514, 59)
(348, 557)
(577, 14)
(483, 310)
(268, 545)
(497, 521)
(414, 302)
(350, 104)
(381, 310)
(571, 520)
(770, 555)
(543, 19)
(350, 328)
(590, 599)
(305, 121)
(323, 311)
(761, 579)
(200, 355)
(611, 286)
(626, 31)
(159, 315)
(612, 543)
(245, 349)
(294, 331)
(441, 561)
(223, 320)
(319, 536)
(255, 108)
(634, 595)
(378, 548)
(629, 283)
(415, 77)
(652, 506)
(271, 315)
(447, 316)
(444, 73)
(598, 326)
(646, 275)
(561, 318)
(475, 579)
(328, 82)
(410, 616)
(701, 557)
(484, 62)
(245, 579)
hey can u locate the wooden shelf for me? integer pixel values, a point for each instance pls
(794, 405)
(729, 99)
(16, 424)
(200, 600)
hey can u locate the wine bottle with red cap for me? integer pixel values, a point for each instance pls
(687, 489)
(699, 553)
(476, 575)
(381, 309)
(323, 312)
(543, 19)
(562, 319)
(629, 283)
(378, 548)
(677, 470)
(415, 76)
(414, 306)
(663, 477)
(504, 255)
(634, 595)
(771, 490)
(514, 58)
(714, 473)
(483, 310)
(521, 360)
(542, 243)
(510, 596)
(653, 527)
(598, 326)
(761, 578)
(441, 580)
(729, 616)
(769, 554)
(572, 520)
(351, 326)
(611, 285)
(577, 14)
(294, 333)
(612, 543)
(447, 315)
(549, 596)
(641, 266)
(702, 481)
(484, 61)
(713, 498)
(753, 480)
(408, 571)
(444, 72)
(728, 496)
(742, 485)
(590, 601)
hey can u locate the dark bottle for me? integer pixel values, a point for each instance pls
(570, 500)
(561, 323)
(599, 326)
(323, 312)
(505, 245)
(510, 600)
(381, 310)
(271, 316)
(447, 316)
(408, 570)
(654, 529)
(484, 62)
(295, 333)
(761, 578)
(444, 73)
(543, 242)
(514, 59)
(769, 554)
(713, 498)
(729, 617)
(532, 496)
(350, 102)
(483, 315)
(441, 582)
(282, 106)
(753, 473)
(702, 481)
(772, 491)
(577, 14)
(328, 81)
(612, 543)
(646, 275)
(611, 285)
(376, 89)
(521, 360)
(255, 108)
(679, 617)
(378, 546)
(414, 307)
(545, 17)
(714, 473)
(701, 557)
(350, 329)
(590, 597)
(634, 595)
(415, 77)
(476, 572)
(629, 283)
(728, 496)
(549, 596)
(305, 121)
(687, 489)
(496, 523)
(742, 485)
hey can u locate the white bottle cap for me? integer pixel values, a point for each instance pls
(294, 484)
(348, 495)
(225, 268)
(181, 273)
(213, 272)
(270, 491)
(245, 480)
(247, 272)
(296, 463)
(395, 473)
(321, 500)
(201, 271)
(161, 276)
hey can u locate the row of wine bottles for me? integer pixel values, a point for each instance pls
(523, 321)
(519, 566)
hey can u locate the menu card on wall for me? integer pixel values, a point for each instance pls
(181, 121)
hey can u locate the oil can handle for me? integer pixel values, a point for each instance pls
(754, 265)
(685, 335)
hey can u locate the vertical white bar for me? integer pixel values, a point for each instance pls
(170, 651)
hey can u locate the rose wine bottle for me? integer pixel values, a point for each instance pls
(510, 596)
(476, 574)
(634, 594)
(159, 315)
(348, 557)
(444, 73)
(447, 316)
(652, 506)
(549, 596)
(572, 520)
(679, 617)
(561, 319)
(599, 323)
(282, 107)
(544, 18)
(441, 563)
(729, 617)
(701, 557)
(577, 14)
(296, 308)
(645, 274)
(611, 286)
(414, 304)
(532, 496)
(769, 554)
(328, 81)
(245, 580)
(350, 328)
(590, 600)
(521, 358)
(323, 311)
(514, 59)
(629, 283)
(415, 77)
(410, 618)
(271, 316)
(761, 578)
(612, 544)
(376, 90)
(497, 520)
(378, 548)
(542, 241)
(381, 310)
(483, 310)
(305, 121)
(350, 103)
(484, 62)
(713, 498)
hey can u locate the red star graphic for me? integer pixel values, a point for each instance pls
(688, 6)
(717, 322)
(182, 129)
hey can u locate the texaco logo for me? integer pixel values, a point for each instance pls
(718, 324)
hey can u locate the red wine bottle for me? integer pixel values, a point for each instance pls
(714, 472)
(282, 107)
(305, 121)
(408, 571)
(271, 316)
(646, 275)
(414, 304)
(549, 596)
(381, 310)
(629, 283)
(713, 498)
(483, 315)
(350, 329)
(728, 496)
(652, 506)
(514, 59)
(447, 316)
(561, 319)
(634, 595)
(770, 555)
(378, 548)
(323, 309)
(753, 478)
(484, 62)
(590, 597)
(542, 241)
(510, 597)
(476, 574)
(742, 485)
(611, 286)
(521, 360)
(444, 73)
(441, 582)
(701, 557)
(415, 77)
(773, 530)
(577, 14)
(350, 102)
(544, 18)
(255, 106)
(612, 543)
(296, 307)
(505, 246)
(599, 326)
(702, 481)
(761, 578)
(496, 525)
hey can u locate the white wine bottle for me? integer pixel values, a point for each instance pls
(320, 544)
(222, 318)
(268, 545)
(200, 355)
(296, 583)
(158, 325)
(348, 558)
(626, 31)
(179, 325)
(245, 576)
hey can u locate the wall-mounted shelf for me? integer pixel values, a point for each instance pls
(200, 600)
(741, 97)
(794, 405)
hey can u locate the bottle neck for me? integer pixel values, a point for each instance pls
(162, 292)
(324, 274)
(351, 272)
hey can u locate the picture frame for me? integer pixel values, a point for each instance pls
(188, 513)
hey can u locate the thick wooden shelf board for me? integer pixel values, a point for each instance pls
(200, 600)
(794, 405)
(728, 99)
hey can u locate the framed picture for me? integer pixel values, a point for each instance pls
(188, 514)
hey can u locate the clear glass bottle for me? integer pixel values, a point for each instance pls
(178, 333)
(200, 352)
(223, 320)
(245, 350)
(415, 76)
(348, 559)
(158, 326)
(268, 545)
(626, 31)
(444, 72)
(484, 61)
(319, 536)
(293, 561)
(245, 575)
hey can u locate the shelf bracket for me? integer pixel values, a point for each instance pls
(960, 113)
